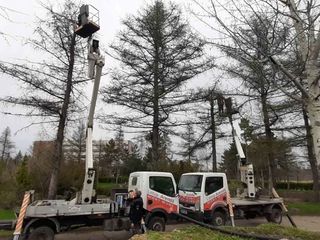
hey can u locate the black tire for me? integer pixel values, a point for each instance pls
(275, 216)
(219, 218)
(41, 233)
(157, 224)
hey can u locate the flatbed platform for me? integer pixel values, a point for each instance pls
(251, 202)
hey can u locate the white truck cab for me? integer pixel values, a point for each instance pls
(159, 194)
(203, 194)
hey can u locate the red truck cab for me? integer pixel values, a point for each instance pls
(203, 196)
(159, 194)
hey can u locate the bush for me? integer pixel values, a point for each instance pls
(234, 185)
(294, 185)
(8, 199)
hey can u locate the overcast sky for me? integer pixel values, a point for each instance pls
(19, 25)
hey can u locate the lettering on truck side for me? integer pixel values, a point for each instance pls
(190, 199)
(214, 199)
(161, 201)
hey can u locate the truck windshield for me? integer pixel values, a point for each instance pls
(190, 183)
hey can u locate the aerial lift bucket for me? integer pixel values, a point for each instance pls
(88, 21)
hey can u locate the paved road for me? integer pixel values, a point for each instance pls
(310, 223)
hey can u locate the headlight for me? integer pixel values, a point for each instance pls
(197, 206)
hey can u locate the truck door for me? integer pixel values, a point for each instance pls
(162, 194)
(214, 193)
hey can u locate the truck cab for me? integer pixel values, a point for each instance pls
(159, 194)
(203, 196)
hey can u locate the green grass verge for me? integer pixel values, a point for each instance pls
(304, 208)
(278, 230)
(6, 214)
(193, 232)
(105, 188)
(196, 232)
(6, 233)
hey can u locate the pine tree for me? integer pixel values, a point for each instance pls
(6, 146)
(159, 54)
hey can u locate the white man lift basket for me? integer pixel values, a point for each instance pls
(88, 22)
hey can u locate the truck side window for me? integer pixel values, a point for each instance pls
(134, 181)
(162, 185)
(213, 184)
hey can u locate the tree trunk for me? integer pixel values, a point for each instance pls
(57, 153)
(269, 138)
(156, 113)
(213, 135)
(311, 156)
(155, 126)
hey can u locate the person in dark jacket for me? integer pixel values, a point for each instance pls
(136, 211)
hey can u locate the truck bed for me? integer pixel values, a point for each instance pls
(64, 208)
(251, 202)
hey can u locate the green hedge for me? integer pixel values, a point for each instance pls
(294, 185)
(121, 179)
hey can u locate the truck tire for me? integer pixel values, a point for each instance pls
(219, 218)
(275, 216)
(157, 224)
(41, 233)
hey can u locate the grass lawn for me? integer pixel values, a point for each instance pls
(188, 233)
(6, 233)
(196, 232)
(6, 214)
(304, 208)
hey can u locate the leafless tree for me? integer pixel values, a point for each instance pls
(50, 84)
(301, 18)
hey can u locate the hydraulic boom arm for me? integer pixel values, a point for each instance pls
(246, 170)
(96, 63)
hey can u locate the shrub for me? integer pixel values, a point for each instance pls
(294, 185)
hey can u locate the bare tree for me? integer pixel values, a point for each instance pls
(302, 20)
(50, 84)
(159, 53)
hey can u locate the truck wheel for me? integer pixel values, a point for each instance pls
(157, 224)
(275, 216)
(41, 233)
(219, 218)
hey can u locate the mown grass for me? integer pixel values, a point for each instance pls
(278, 230)
(304, 208)
(6, 214)
(193, 232)
(6, 233)
(196, 232)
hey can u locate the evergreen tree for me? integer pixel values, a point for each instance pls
(6, 146)
(22, 175)
(158, 53)
(77, 144)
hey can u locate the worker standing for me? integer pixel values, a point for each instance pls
(136, 211)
